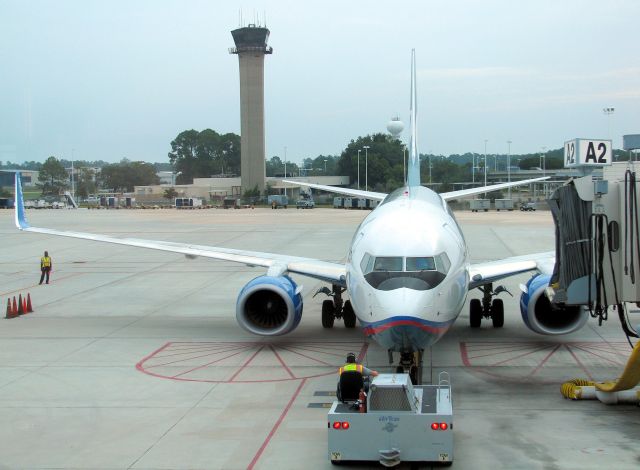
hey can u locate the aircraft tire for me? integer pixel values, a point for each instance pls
(475, 313)
(348, 315)
(497, 313)
(327, 314)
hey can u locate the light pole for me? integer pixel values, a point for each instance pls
(73, 193)
(509, 166)
(473, 168)
(485, 166)
(285, 169)
(359, 150)
(544, 171)
(608, 112)
(366, 167)
(404, 164)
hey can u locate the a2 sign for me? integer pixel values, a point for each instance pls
(587, 152)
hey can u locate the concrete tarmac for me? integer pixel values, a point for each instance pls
(133, 358)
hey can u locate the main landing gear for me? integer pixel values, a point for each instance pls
(336, 308)
(410, 363)
(488, 307)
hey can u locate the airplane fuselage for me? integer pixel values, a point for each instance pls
(407, 270)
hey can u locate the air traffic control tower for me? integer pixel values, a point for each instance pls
(251, 47)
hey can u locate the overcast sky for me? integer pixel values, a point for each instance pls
(113, 79)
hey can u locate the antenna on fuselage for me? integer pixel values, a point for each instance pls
(413, 174)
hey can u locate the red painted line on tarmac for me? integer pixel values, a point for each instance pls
(464, 355)
(206, 365)
(282, 362)
(246, 364)
(503, 351)
(582, 366)
(276, 426)
(545, 360)
(308, 357)
(139, 364)
(320, 351)
(598, 355)
(477, 348)
(188, 354)
(522, 355)
(182, 360)
(363, 352)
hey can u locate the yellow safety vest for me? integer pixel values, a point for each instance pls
(350, 367)
(45, 262)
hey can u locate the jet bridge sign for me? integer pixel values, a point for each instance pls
(587, 152)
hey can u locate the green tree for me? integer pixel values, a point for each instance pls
(86, 182)
(385, 162)
(251, 195)
(125, 175)
(201, 154)
(53, 178)
(229, 154)
(5, 193)
(183, 155)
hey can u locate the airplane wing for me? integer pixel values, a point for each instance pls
(276, 264)
(338, 190)
(485, 189)
(446, 196)
(491, 271)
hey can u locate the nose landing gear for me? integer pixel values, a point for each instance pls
(410, 363)
(488, 307)
(336, 308)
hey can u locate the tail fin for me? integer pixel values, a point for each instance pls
(21, 220)
(413, 176)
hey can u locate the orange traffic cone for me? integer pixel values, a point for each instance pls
(24, 305)
(29, 307)
(20, 306)
(9, 311)
(14, 307)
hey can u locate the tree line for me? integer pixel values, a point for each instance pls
(53, 178)
(206, 153)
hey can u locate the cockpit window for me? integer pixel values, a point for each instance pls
(412, 272)
(388, 263)
(423, 263)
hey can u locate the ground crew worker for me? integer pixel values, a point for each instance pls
(351, 365)
(352, 389)
(45, 267)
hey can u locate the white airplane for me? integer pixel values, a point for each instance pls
(407, 274)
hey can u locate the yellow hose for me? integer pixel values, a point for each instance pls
(630, 376)
(573, 388)
(629, 379)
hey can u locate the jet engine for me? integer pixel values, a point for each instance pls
(545, 317)
(269, 306)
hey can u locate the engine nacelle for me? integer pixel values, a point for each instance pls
(543, 317)
(269, 306)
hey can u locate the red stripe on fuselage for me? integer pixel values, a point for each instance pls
(379, 329)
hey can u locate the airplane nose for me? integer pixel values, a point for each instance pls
(405, 301)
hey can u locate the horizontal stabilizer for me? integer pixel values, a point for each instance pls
(486, 189)
(335, 189)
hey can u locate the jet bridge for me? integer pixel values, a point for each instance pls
(597, 223)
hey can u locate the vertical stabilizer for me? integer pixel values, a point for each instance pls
(21, 219)
(413, 171)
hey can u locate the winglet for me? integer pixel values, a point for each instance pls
(413, 173)
(21, 220)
